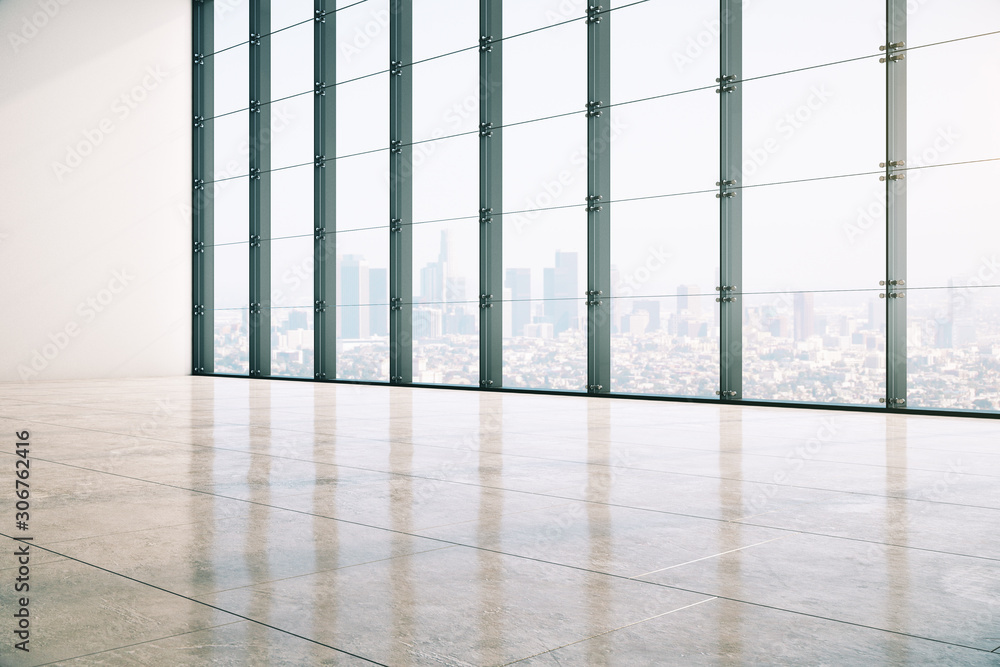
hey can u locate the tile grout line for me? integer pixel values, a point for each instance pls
(697, 560)
(532, 493)
(205, 604)
(601, 634)
(148, 641)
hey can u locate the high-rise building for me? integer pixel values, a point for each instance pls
(652, 308)
(804, 326)
(354, 292)
(686, 301)
(562, 298)
(519, 284)
(378, 290)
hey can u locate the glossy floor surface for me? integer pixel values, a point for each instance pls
(201, 521)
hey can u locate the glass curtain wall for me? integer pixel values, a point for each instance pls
(825, 213)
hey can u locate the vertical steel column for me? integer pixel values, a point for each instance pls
(490, 193)
(203, 168)
(260, 188)
(730, 205)
(895, 197)
(325, 192)
(401, 191)
(598, 191)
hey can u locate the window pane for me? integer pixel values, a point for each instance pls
(363, 115)
(292, 202)
(446, 96)
(231, 203)
(545, 164)
(363, 191)
(522, 15)
(781, 35)
(679, 41)
(814, 347)
(953, 231)
(292, 272)
(820, 235)
(828, 121)
(952, 115)
(231, 23)
(292, 61)
(446, 179)
(289, 12)
(929, 22)
(666, 346)
(362, 39)
(231, 135)
(444, 26)
(232, 341)
(953, 347)
(362, 352)
(545, 73)
(665, 146)
(292, 342)
(292, 132)
(540, 358)
(232, 276)
(231, 79)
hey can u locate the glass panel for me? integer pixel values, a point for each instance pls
(292, 202)
(292, 61)
(679, 41)
(814, 347)
(292, 132)
(822, 122)
(232, 341)
(231, 81)
(232, 276)
(231, 22)
(522, 15)
(667, 246)
(552, 351)
(362, 39)
(820, 235)
(363, 115)
(666, 345)
(953, 235)
(231, 135)
(929, 22)
(444, 26)
(953, 348)
(363, 191)
(362, 270)
(292, 342)
(665, 146)
(292, 272)
(544, 259)
(952, 115)
(446, 96)
(446, 310)
(231, 201)
(545, 164)
(782, 35)
(545, 73)
(289, 12)
(446, 179)
(362, 352)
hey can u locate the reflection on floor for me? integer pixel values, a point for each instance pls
(197, 521)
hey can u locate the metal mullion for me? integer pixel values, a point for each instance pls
(325, 194)
(895, 191)
(202, 212)
(730, 202)
(260, 189)
(490, 193)
(598, 193)
(401, 192)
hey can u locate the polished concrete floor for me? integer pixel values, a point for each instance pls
(200, 521)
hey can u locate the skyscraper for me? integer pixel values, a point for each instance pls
(354, 292)
(562, 298)
(804, 326)
(378, 290)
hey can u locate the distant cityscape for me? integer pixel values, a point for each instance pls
(799, 347)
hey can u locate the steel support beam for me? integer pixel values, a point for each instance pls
(202, 209)
(401, 192)
(730, 295)
(598, 195)
(490, 194)
(325, 191)
(260, 188)
(895, 197)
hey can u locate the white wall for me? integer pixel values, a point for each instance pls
(95, 173)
